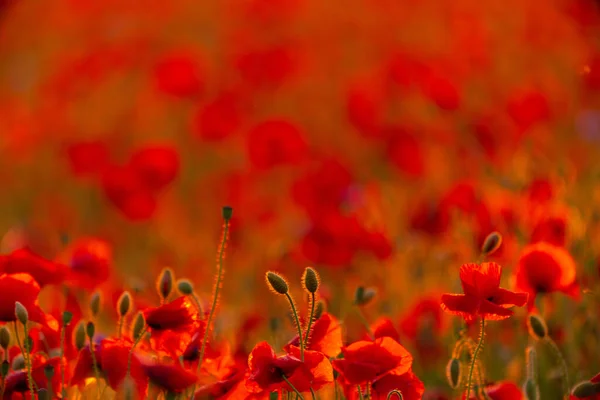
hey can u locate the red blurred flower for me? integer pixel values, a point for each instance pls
(501, 391)
(407, 383)
(430, 219)
(90, 260)
(178, 315)
(156, 166)
(366, 361)
(276, 142)
(325, 336)
(551, 230)
(169, 376)
(23, 260)
(24, 289)
(178, 74)
(528, 108)
(84, 367)
(16, 382)
(482, 294)
(545, 268)
(88, 158)
(113, 357)
(124, 188)
(443, 92)
(267, 68)
(404, 151)
(218, 119)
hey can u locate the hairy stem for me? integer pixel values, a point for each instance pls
(26, 359)
(395, 392)
(295, 312)
(563, 365)
(474, 358)
(310, 319)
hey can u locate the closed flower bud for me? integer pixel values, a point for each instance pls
(80, 336)
(537, 326)
(319, 309)
(364, 296)
(67, 317)
(124, 304)
(4, 368)
(21, 313)
(227, 213)
(454, 372)
(138, 325)
(18, 362)
(49, 371)
(43, 394)
(310, 280)
(164, 284)
(4, 337)
(584, 389)
(90, 330)
(277, 283)
(95, 304)
(531, 390)
(185, 287)
(491, 243)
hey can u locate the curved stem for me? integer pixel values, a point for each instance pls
(293, 307)
(395, 392)
(474, 358)
(563, 365)
(298, 394)
(310, 319)
(312, 393)
(214, 300)
(26, 359)
(198, 306)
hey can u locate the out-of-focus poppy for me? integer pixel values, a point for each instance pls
(276, 142)
(88, 158)
(24, 289)
(84, 366)
(157, 166)
(267, 68)
(16, 382)
(169, 375)
(482, 294)
(90, 260)
(407, 383)
(124, 188)
(218, 119)
(501, 391)
(405, 151)
(366, 361)
(443, 92)
(179, 74)
(528, 108)
(552, 230)
(325, 336)
(423, 326)
(545, 268)
(114, 358)
(23, 260)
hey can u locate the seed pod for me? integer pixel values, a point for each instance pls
(491, 243)
(531, 390)
(4, 337)
(454, 373)
(319, 309)
(18, 362)
(67, 317)
(310, 280)
(80, 336)
(21, 313)
(185, 287)
(49, 371)
(4, 368)
(364, 296)
(95, 304)
(43, 394)
(227, 213)
(277, 283)
(537, 327)
(90, 330)
(124, 304)
(138, 325)
(584, 389)
(164, 284)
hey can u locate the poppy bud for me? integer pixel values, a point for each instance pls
(49, 371)
(363, 296)
(277, 283)
(453, 373)
(95, 304)
(310, 280)
(319, 309)
(90, 330)
(537, 327)
(5, 368)
(4, 337)
(491, 243)
(18, 362)
(124, 304)
(21, 313)
(138, 325)
(43, 394)
(80, 336)
(185, 287)
(164, 284)
(227, 213)
(531, 390)
(584, 389)
(67, 317)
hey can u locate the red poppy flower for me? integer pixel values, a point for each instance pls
(24, 289)
(88, 158)
(443, 92)
(267, 68)
(540, 191)
(315, 372)
(325, 336)
(407, 383)
(218, 119)
(430, 219)
(528, 108)
(276, 142)
(16, 382)
(266, 370)
(90, 260)
(552, 230)
(364, 108)
(482, 294)
(544, 268)
(383, 327)
(192, 351)
(125, 189)
(169, 376)
(220, 388)
(114, 357)
(365, 361)
(501, 391)
(157, 166)
(179, 315)
(84, 367)
(179, 75)
(404, 151)
(423, 325)
(23, 260)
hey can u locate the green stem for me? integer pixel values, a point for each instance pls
(563, 365)
(198, 306)
(360, 395)
(298, 394)
(26, 359)
(395, 392)
(130, 355)
(121, 320)
(63, 362)
(310, 319)
(364, 321)
(312, 393)
(95, 366)
(214, 300)
(293, 307)
(474, 358)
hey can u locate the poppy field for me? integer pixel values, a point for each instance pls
(300, 199)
